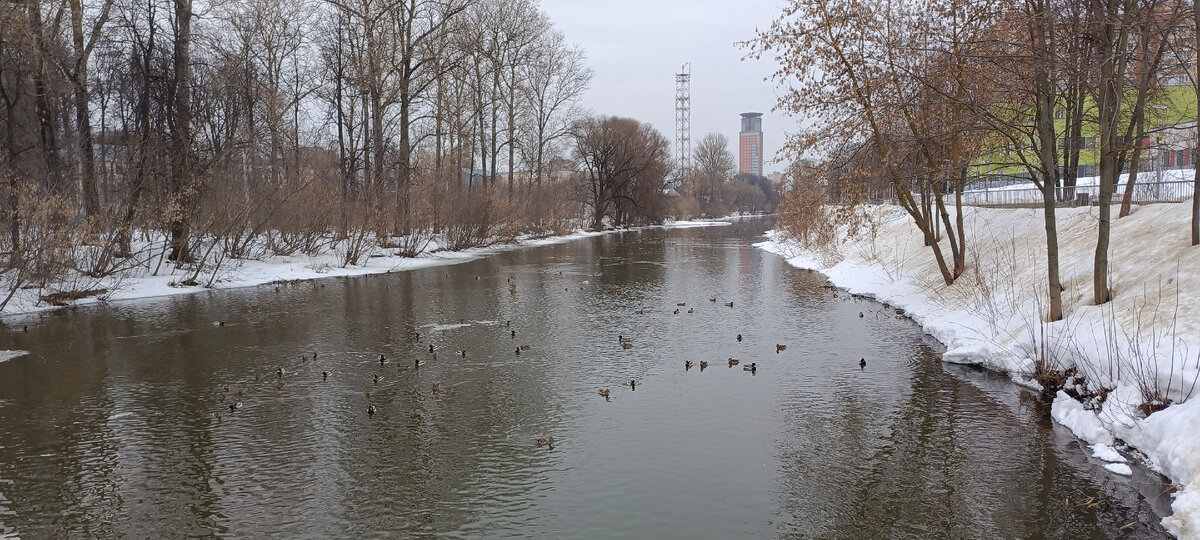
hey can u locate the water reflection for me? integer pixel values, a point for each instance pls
(108, 427)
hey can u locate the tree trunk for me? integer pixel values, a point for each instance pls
(1112, 36)
(83, 116)
(181, 173)
(1044, 115)
(403, 161)
(9, 169)
(1195, 166)
(45, 114)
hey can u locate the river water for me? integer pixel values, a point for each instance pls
(107, 427)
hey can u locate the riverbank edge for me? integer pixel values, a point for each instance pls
(1168, 440)
(244, 273)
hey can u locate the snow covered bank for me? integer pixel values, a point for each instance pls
(141, 282)
(1122, 358)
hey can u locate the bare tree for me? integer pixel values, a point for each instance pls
(625, 167)
(850, 66)
(713, 166)
(555, 78)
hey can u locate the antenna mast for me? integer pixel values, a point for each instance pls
(683, 122)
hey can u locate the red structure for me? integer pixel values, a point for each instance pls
(750, 145)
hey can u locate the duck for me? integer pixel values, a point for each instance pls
(682, 304)
(639, 312)
(241, 392)
(382, 359)
(258, 376)
(324, 375)
(713, 299)
(518, 351)
(751, 368)
(633, 384)
(377, 378)
(371, 410)
(367, 393)
(280, 372)
(860, 314)
(217, 415)
(431, 356)
(687, 364)
(281, 385)
(690, 310)
(703, 364)
(862, 363)
(463, 353)
(626, 345)
(730, 304)
(513, 333)
(733, 361)
(739, 337)
(623, 339)
(677, 311)
(418, 363)
(218, 323)
(430, 348)
(525, 347)
(314, 356)
(780, 348)
(235, 406)
(221, 399)
(604, 393)
(437, 388)
(548, 441)
(401, 367)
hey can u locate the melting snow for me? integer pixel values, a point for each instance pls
(1148, 336)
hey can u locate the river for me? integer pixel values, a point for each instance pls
(107, 427)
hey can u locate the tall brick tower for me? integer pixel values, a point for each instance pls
(750, 145)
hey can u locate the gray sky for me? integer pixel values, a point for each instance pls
(637, 46)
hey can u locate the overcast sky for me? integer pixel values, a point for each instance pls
(637, 46)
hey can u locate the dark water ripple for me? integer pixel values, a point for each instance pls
(107, 427)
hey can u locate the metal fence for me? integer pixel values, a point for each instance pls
(1143, 193)
(1026, 196)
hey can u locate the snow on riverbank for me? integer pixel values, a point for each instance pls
(141, 283)
(1145, 343)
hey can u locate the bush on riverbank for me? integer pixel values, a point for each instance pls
(60, 253)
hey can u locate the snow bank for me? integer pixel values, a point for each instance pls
(1145, 343)
(1082, 422)
(9, 354)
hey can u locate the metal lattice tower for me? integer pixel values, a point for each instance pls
(683, 122)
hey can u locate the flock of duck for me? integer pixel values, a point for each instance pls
(234, 404)
(280, 373)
